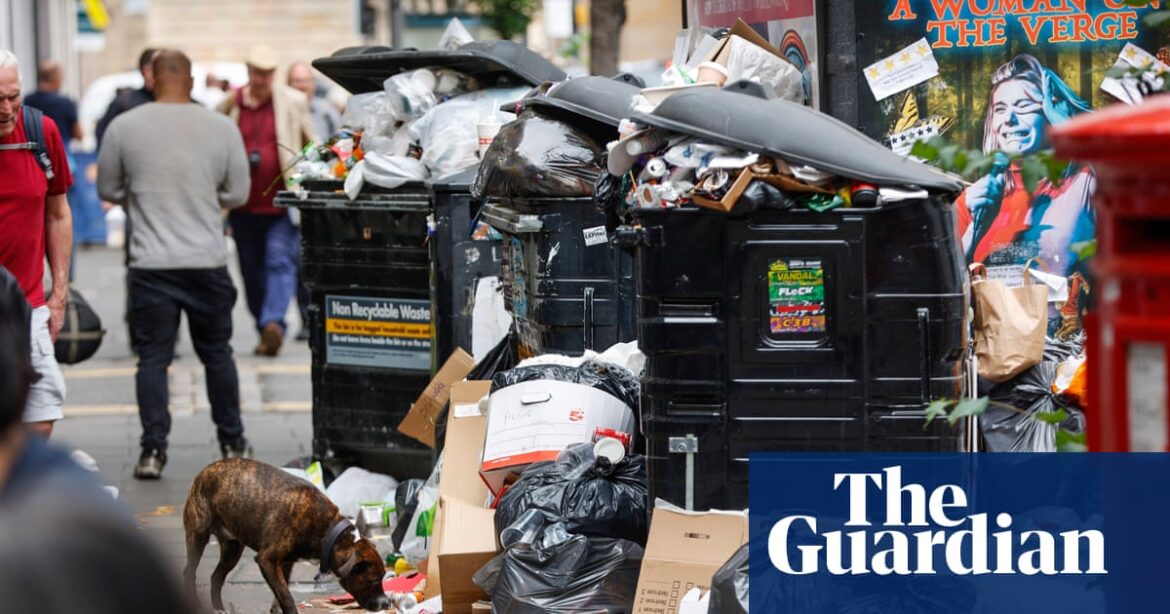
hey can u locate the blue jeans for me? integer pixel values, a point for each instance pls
(156, 300)
(267, 246)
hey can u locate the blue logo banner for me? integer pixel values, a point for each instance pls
(958, 534)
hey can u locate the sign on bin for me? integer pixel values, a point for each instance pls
(378, 332)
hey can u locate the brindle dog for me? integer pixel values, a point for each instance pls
(283, 518)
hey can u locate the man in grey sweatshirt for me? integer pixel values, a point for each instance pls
(176, 167)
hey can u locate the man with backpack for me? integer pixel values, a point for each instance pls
(35, 221)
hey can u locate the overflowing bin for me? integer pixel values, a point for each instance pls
(788, 329)
(383, 312)
(567, 287)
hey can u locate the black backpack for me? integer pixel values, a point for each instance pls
(35, 134)
(82, 334)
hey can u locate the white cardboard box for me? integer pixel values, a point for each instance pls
(534, 421)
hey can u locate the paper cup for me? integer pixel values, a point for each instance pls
(487, 131)
(610, 448)
(712, 72)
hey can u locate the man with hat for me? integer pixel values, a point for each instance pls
(275, 123)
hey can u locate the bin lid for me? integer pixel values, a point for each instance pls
(494, 63)
(794, 132)
(601, 99)
(459, 181)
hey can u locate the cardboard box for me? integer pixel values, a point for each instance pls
(534, 421)
(733, 193)
(481, 607)
(741, 29)
(459, 479)
(467, 542)
(683, 551)
(419, 423)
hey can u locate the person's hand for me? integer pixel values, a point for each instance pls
(56, 315)
(979, 195)
(106, 206)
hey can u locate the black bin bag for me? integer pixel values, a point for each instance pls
(590, 496)
(611, 379)
(537, 156)
(580, 574)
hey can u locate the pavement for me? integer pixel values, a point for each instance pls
(101, 419)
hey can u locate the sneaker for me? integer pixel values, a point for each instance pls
(150, 465)
(240, 450)
(271, 337)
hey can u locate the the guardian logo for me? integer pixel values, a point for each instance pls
(927, 536)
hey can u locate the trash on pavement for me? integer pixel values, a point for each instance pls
(685, 548)
(729, 585)
(465, 542)
(355, 486)
(695, 601)
(1011, 424)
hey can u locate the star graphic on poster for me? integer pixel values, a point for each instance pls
(923, 50)
(905, 58)
(873, 73)
(1130, 53)
(889, 65)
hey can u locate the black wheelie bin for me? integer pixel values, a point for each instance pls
(376, 334)
(566, 286)
(793, 330)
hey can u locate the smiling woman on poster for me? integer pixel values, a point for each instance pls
(1001, 224)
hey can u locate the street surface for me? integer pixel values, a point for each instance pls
(101, 418)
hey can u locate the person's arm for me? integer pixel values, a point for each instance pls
(236, 184)
(75, 125)
(112, 111)
(59, 245)
(111, 180)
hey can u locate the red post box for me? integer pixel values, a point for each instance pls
(1129, 331)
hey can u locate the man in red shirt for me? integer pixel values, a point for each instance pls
(274, 121)
(35, 222)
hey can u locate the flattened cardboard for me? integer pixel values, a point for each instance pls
(481, 607)
(683, 551)
(419, 423)
(459, 480)
(466, 543)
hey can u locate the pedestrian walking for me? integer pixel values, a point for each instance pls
(51, 102)
(326, 123)
(274, 120)
(175, 166)
(34, 222)
(132, 98)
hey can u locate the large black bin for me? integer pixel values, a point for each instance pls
(567, 287)
(736, 364)
(378, 330)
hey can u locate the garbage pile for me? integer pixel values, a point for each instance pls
(1035, 410)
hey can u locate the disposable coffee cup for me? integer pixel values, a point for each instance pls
(487, 129)
(712, 72)
(610, 448)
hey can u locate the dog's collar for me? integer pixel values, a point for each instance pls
(327, 545)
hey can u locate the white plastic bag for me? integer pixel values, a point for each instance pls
(416, 543)
(370, 113)
(447, 133)
(411, 94)
(356, 486)
(455, 36)
(749, 61)
(355, 180)
(391, 171)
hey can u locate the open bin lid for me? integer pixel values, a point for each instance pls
(601, 99)
(793, 132)
(459, 181)
(493, 63)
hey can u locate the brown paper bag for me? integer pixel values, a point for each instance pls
(1010, 324)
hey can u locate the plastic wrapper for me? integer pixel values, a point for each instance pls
(370, 113)
(447, 133)
(591, 496)
(778, 76)
(392, 171)
(761, 195)
(355, 180)
(1071, 381)
(606, 377)
(538, 156)
(501, 358)
(579, 574)
(355, 486)
(1005, 430)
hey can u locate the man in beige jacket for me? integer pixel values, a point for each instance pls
(275, 123)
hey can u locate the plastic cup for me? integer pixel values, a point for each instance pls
(524, 530)
(487, 129)
(610, 448)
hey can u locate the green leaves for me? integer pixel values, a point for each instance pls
(1070, 442)
(508, 17)
(1084, 249)
(955, 410)
(971, 164)
(937, 409)
(967, 408)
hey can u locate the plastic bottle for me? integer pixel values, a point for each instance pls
(116, 227)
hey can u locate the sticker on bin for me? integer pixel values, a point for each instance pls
(534, 421)
(378, 332)
(595, 236)
(796, 296)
